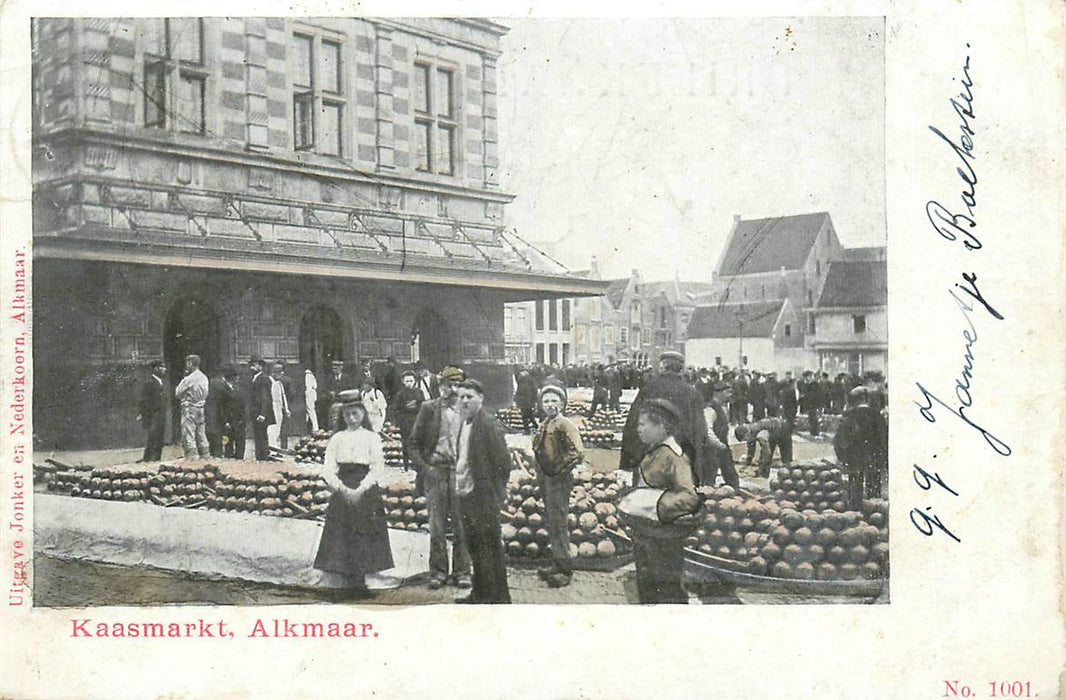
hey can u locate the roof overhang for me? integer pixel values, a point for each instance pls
(231, 256)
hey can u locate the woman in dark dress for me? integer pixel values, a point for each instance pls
(355, 539)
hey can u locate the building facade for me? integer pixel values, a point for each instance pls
(851, 319)
(303, 190)
(757, 335)
(777, 258)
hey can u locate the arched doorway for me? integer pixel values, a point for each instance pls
(321, 339)
(191, 328)
(432, 340)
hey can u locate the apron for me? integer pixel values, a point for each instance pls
(355, 539)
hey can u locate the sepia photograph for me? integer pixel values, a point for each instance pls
(409, 311)
(492, 349)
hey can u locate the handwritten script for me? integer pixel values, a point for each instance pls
(957, 223)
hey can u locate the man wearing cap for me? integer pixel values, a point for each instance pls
(692, 425)
(861, 446)
(262, 403)
(719, 457)
(482, 467)
(191, 393)
(769, 434)
(404, 409)
(432, 449)
(558, 449)
(152, 413)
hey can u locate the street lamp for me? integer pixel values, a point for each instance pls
(740, 322)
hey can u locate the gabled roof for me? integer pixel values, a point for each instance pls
(868, 253)
(855, 283)
(677, 291)
(755, 319)
(767, 245)
(616, 291)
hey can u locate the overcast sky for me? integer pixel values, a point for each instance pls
(638, 140)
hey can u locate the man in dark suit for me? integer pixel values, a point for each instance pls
(151, 412)
(333, 384)
(262, 408)
(482, 467)
(231, 414)
(670, 385)
(213, 415)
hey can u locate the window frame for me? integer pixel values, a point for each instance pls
(858, 324)
(433, 122)
(168, 71)
(309, 102)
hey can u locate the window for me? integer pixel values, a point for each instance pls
(540, 353)
(858, 324)
(565, 313)
(594, 339)
(539, 307)
(317, 95)
(811, 329)
(662, 317)
(718, 361)
(521, 322)
(508, 321)
(818, 268)
(553, 315)
(810, 298)
(608, 335)
(744, 360)
(762, 291)
(788, 331)
(174, 75)
(553, 353)
(623, 334)
(634, 313)
(436, 119)
(566, 353)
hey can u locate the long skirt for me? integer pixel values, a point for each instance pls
(355, 539)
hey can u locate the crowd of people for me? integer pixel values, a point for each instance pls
(462, 462)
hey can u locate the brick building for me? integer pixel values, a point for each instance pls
(300, 189)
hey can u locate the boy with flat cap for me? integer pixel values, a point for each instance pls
(558, 449)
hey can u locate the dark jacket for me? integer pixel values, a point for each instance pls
(404, 408)
(150, 405)
(422, 439)
(692, 431)
(212, 409)
(262, 401)
(861, 440)
(230, 405)
(489, 461)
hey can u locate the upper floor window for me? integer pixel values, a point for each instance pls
(436, 118)
(317, 95)
(788, 331)
(858, 324)
(553, 315)
(539, 309)
(565, 313)
(662, 317)
(174, 74)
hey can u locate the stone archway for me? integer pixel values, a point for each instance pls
(432, 340)
(191, 328)
(321, 339)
